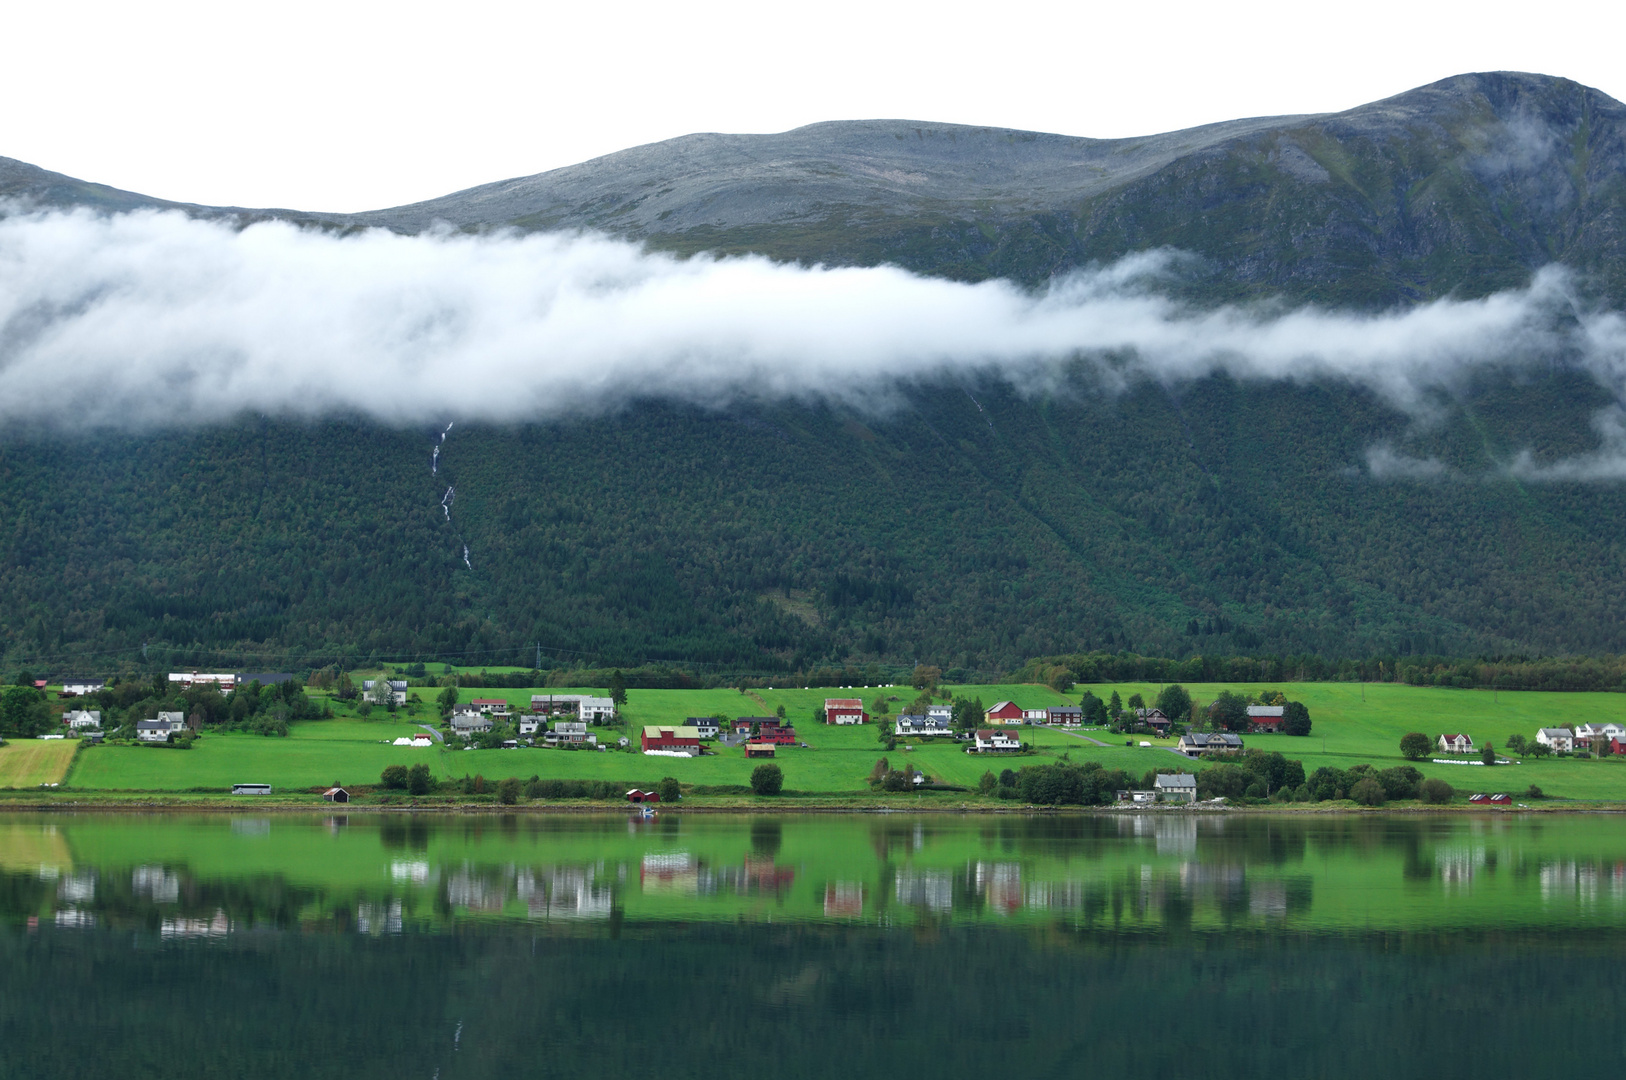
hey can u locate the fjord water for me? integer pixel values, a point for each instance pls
(818, 945)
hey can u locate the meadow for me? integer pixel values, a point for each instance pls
(27, 763)
(1352, 725)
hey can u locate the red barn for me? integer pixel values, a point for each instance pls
(845, 710)
(1006, 712)
(636, 796)
(671, 738)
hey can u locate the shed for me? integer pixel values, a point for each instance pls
(336, 794)
(759, 749)
(634, 795)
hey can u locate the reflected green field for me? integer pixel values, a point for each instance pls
(1147, 873)
(476, 946)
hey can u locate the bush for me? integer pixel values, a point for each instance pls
(1540, 750)
(1301, 793)
(767, 779)
(508, 791)
(1256, 790)
(1434, 790)
(1533, 792)
(1281, 795)
(394, 777)
(1367, 792)
(988, 782)
(1296, 719)
(419, 780)
(1415, 745)
(670, 790)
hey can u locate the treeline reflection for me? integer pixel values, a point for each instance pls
(1153, 872)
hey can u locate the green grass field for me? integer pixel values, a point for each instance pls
(27, 763)
(1347, 730)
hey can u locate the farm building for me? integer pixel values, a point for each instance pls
(489, 705)
(1005, 712)
(1154, 719)
(634, 795)
(670, 738)
(581, 706)
(759, 749)
(227, 682)
(336, 794)
(1456, 744)
(838, 710)
(1266, 718)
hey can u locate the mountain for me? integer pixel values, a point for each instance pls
(971, 526)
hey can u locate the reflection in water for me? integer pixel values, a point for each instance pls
(1165, 872)
(491, 947)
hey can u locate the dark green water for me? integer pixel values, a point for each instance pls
(214, 946)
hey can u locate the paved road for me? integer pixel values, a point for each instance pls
(1098, 742)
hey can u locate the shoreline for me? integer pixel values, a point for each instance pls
(132, 804)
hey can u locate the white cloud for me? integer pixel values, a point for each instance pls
(1383, 462)
(146, 319)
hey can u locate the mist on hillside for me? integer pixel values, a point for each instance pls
(150, 319)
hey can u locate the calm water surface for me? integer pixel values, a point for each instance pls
(857, 946)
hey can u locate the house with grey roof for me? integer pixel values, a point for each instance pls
(1195, 743)
(396, 688)
(1175, 787)
(1560, 739)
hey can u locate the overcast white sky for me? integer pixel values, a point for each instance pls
(357, 105)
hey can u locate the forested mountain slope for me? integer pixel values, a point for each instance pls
(1218, 517)
(969, 525)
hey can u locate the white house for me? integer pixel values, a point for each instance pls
(370, 691)
(706, 725)
(581, 706)
(1035, 716)
(81, 719)
(529, 725)
(1561, 739)
(1456, 744)
(944, 713)
(990, 740)
(159, 730)
(1176, 787)
(923, 726)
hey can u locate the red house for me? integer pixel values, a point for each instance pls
(779, 736)
(671, 738)
(845, 710)
(1006, 712)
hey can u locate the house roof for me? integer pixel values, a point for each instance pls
(1555, 732)
(334, 791)
(152, 725)
(1066, 709)
(1175, 780)
(659, 731)
(1001, 706)
(1454, 738)
(843, 703)
(1257, 711)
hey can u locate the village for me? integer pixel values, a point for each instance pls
(916, 733)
